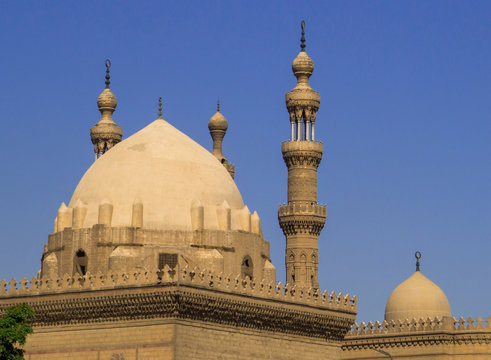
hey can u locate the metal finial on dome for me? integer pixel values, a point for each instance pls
(218, 105)
(302, 39)
(417, 255)
(160, 108)
(108, 78)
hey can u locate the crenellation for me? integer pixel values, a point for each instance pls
(105, 213)
(224, 214)
(64, 217)
(78, 214)
(244, 219)
(420, 325)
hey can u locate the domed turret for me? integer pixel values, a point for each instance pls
(218, 121)
(302, 65)
(218, 126)
(107, 101)
(106, 133)
(417, 297)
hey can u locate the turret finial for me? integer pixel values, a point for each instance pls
(302, 39)
(106, 133)
(160, 108)
(218, 105)
(108, 78)
(417, 255)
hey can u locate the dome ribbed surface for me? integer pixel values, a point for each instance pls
(164, 169)
(107, 100)
(303, 64)
(218, 122)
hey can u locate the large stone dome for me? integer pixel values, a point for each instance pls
(163, 169)
(417, 297)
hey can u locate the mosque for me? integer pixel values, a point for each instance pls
(157, 257)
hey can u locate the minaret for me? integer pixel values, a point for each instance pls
(218, 126)
(302, 219)
(106, 133)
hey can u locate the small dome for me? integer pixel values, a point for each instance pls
(303, 65)
(107, 100)
(417, 297)
(218, 122)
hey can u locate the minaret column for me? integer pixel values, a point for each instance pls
(302, 219)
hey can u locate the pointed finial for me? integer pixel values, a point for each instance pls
(218, 105)
(108, 65)
(417, 255)
(302, 39)
(160, 108)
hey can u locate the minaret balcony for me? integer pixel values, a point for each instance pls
(302, 218)
(305, 208)
(302, 153)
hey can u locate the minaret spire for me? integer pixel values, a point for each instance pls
(160, 108)
(302, 219)
(108, 77)
(417, 255)
(302, 39)
(106, 133)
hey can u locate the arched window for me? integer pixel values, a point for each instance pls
(247, 267)
(80, 263)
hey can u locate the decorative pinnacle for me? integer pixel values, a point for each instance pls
(160, 108)
(417, 255)
(302, 39)
(108, 65)
(218, 105)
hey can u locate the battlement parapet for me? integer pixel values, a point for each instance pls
(421, 325)
(188, 277)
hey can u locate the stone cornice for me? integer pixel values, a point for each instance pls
(185, 302)
(189, 277)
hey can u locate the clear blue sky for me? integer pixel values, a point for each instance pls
(405, 118)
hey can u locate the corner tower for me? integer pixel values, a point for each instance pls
(302, 219)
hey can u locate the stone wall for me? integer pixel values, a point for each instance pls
(121, 249)
(142, 340)
(205, 342)
(172, 339)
